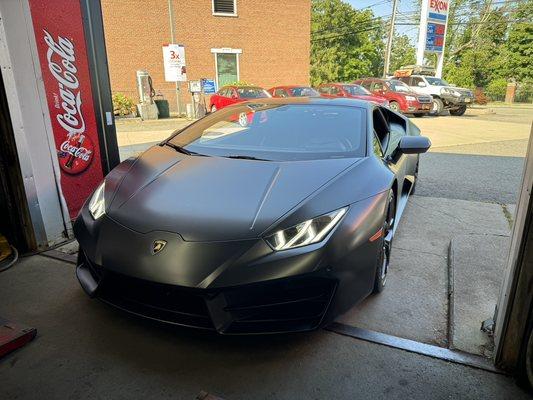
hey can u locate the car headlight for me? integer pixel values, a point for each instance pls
(410, 98)
(307, 232)
(97, 202)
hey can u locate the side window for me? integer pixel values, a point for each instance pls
(381, 127)
(324, 89)
(416, 80)
(377, 146)
(397, 130)
(366, 84)
(335, 91)
(405, 79)
(280, 93)
(376, 86)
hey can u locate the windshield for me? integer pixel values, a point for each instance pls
(304, 91)
(397, 86)
(436, 81)
(355, 90)
(252, 93)
(278, 132)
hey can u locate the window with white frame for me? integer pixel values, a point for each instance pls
(226, 65)
(225, 7)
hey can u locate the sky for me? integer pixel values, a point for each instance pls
(384, 8)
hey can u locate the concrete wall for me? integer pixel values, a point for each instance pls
(274, 36)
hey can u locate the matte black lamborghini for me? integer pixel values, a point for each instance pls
(267, 216)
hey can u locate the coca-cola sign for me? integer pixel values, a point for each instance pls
(60, 38)
(73, 156)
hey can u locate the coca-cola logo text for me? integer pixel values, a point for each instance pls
(79, 152)
(61, 62)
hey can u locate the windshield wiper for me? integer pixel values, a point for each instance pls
(180, 149)
(240, 157)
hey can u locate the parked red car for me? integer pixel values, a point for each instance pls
(400, 96)
(228, 95)
(293, 91)
(350, 90)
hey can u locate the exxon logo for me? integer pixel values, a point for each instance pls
(439, 6)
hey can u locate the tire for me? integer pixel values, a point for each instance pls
(525, 363)
(420, 115)
(438, 106)
(394, 106)
(458, 111)
(386, 245)
(213, 108)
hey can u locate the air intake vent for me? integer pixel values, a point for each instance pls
(224, 6)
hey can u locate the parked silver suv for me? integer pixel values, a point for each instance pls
(445, 96)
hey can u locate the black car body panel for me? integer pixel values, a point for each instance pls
(215, 270)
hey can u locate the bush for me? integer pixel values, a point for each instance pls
(524, 92)
(123, 105)
(495, 90)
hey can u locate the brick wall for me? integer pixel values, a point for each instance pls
(273, 35)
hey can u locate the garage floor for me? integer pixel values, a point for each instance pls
(86, 350)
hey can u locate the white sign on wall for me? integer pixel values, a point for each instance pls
(174, 63)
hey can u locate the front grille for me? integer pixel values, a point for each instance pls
(158, 301)
(288, 305)
(424, 99)
(284, 305)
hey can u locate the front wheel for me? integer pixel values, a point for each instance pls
(458, 111)
(386, 245)
(438, 106)
(394, 106)
(419, 115)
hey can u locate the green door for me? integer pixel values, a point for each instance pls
(226, 69)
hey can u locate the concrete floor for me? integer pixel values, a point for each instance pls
(86, 350)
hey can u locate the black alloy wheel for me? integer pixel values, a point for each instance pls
(386, 245)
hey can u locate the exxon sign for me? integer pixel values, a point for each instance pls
(438, 10)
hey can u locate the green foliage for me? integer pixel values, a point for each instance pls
(524, 91)
(402, 53)
(487, 46)
(520, 43)
(123, 105)
(496, 89)
(346, 44)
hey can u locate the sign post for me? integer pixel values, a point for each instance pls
(432, 31)
(175, 70)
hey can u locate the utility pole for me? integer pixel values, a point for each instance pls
(389, 40)
(172, 40)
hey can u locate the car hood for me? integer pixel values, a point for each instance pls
(211, 198)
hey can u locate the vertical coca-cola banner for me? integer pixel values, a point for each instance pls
(62, 52)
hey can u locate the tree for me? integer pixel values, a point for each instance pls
(520, 44)
(346, 44)
(402, 53)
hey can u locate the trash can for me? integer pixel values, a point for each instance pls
(162, 107)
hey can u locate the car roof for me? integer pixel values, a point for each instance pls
(241, 87)
(289, 86)
(339, 101)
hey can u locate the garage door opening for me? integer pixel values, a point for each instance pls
(450, 250)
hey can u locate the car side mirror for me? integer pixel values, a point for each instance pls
(421, 84)
(414, 144)
(234, 96)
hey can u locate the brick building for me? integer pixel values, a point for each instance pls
(264, 43)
